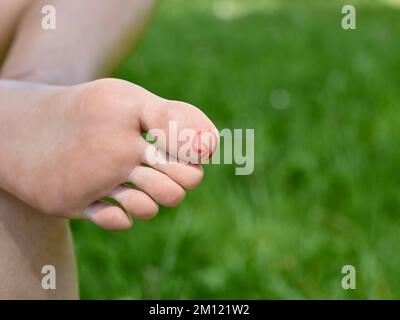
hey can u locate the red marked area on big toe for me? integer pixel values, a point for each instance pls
(205, 143)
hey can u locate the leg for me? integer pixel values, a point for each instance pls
(29, 240)
(91, 39)
(10, 12)
(48, 240)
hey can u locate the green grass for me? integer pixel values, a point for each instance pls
(326, 187)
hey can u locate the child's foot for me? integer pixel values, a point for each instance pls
(63, 148)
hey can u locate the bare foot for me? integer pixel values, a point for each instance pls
(64, 148)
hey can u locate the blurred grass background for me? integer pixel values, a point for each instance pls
(325, 192)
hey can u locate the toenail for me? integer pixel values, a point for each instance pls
(91, 210)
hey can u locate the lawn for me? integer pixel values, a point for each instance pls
(324, 103)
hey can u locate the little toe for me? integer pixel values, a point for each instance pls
(108, 217)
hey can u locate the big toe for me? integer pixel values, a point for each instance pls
(182, 130)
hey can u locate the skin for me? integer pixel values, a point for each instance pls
(70, 141)
(10, 13)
